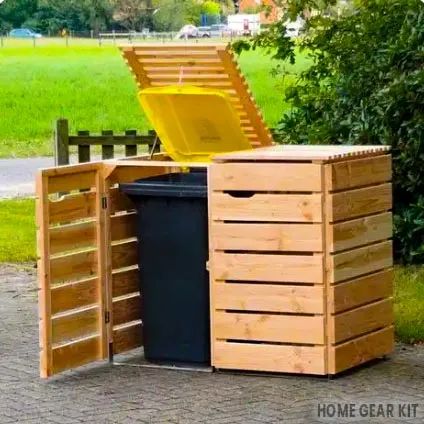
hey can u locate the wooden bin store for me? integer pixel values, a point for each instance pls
(300, 259)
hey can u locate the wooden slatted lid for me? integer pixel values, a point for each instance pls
(303, 153)
(201, 65)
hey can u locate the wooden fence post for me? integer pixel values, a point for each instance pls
(83, 149)
(61, 142)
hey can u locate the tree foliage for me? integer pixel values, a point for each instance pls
(365, 86)
(51, 16)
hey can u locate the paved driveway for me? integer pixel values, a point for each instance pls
(103, 393)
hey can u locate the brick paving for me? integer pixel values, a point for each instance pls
(104, 393)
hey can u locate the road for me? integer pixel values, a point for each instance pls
(17, 176)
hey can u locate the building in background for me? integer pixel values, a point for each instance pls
(272, 13)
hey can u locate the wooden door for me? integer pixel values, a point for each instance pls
(71, 266)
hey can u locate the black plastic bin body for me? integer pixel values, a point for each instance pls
(173, 251)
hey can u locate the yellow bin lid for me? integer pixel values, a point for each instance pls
(193, 123)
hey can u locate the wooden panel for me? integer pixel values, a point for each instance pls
(74, 295)
(75, 325)
(271, 358)
(126, 309)
(268, 298)
(272, 177)
(360, 172)
(267, 207)
(123, 226)
(127, 338)
(74, 207)
(360, 202)
(74, 267)
(69, 182)
(119, 202)
(72, 237)
(357, 232)
(347, 325)
(361, 350)
(128, 174)
(125, 282)
(269, 328)
(272, 268)
(360, 291)
(124, 254)
(75, 354)
(364, 260)
(160, 66)
(267, 237)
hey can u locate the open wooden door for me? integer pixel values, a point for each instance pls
(89, 297)
(72, 274)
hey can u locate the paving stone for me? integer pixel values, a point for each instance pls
(103, 393)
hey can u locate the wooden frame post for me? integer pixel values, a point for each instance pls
(61, 142)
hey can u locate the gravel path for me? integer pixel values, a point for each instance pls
(104, 393)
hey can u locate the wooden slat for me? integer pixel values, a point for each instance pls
(268, 298)
(358, 232)
(72, 237)
(269, 328)
(360, 291)
(128, 174)
(360, 202)
(74, 295)
(75, 354)
(73, 267)
(125, 282)
(127, 338)
(271, 358)
(364, 260)
(188, 70)
(268, 268)
(74, 207)
(123, 226)
(185, 62)
(266, 237)
(224, 86)
(119, 202)
(360, 350)
(76, 181)
(126, 309)
(171, 47)
(124, 255)
(267, 207)
(273, 177)
(189, 77)
(44, 276)
(364, 319)
(360, 172)
(75, 325)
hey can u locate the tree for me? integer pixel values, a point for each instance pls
(133, 14)
(14, 13)
(365, 86)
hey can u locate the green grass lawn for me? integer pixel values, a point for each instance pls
(17, 230)
(92, 87)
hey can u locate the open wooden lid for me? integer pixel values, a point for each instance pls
(202, 65)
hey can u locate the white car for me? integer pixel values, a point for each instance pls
(188, 31)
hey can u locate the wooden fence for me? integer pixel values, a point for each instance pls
(107, 140)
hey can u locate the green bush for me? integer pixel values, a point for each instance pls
(365, 86)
